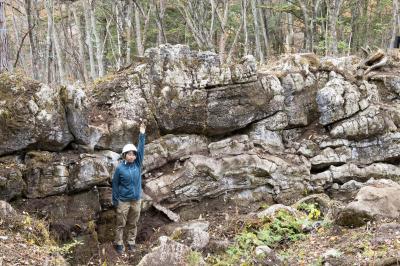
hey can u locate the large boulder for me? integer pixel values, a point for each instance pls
(31, 116)
(379, 199)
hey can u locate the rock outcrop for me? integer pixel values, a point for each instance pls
(303, 125)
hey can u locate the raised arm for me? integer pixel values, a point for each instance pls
(141, 142)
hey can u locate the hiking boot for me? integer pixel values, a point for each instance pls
(119, 248)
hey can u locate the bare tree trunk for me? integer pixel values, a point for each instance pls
(4, 64)
(138, 31)
(233, 47)
(245, 32)
(128, 31)
(118, 15)
(334, 9)
(89, 39)
(395, 25)
(82, 65)
(160, 12)
(224, 34)
(306, 18)
(49, 43)
(99, 44)
(313, 22)
(289, 37)
(32, 43)
(257, 32)
(264, 28)
(18, 43)
(60, 58)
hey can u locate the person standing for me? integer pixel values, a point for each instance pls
(127, 190)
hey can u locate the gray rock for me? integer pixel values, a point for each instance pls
(169, 252)
(277, 121)
(272, 210)
(55, 173)
(46, 174)
(76, 108)
(379, 199)
(90, 170)
(235, 145)
(12, 183)
(350, 171)
(31, 115)
(6, 210)
(331, 156)
(267, 139)
(172, 147)
(300, 93)
(340, 99)
(202, 176)
(263, 250)
(367, 123)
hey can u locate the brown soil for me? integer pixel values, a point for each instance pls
(369, 245)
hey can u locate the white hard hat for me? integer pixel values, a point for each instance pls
(129, 147)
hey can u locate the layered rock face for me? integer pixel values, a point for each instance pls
(302, 125)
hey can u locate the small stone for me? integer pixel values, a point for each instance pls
(3, 238)
(332, 253)
(263, 250)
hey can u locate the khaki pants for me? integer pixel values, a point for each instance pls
(127, 213)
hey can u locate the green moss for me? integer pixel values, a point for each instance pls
(193, 258)
(41, 156)
(272, 232)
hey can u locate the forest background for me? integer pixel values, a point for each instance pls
(60, 42)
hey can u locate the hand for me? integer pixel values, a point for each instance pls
(142, 127)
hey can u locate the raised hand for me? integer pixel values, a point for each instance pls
(142, 127)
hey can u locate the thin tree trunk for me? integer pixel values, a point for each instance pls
(4, 63)
(18, 43)
(59, 55)
(307, 38)
(128, 32)
(89, 39)
(233, 47)
(289, 37)
(49, 43)
(138, 31)
(118, 15)
(224, 34)
(99, 44)
(34, 56)
(160, 12)
(264, 29)
(257, 32)
(245, 32)
(334, 8)
(82, 60)
(395, 24)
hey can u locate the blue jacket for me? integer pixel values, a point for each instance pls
(127, 179)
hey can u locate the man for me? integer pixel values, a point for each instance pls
(127, 190)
